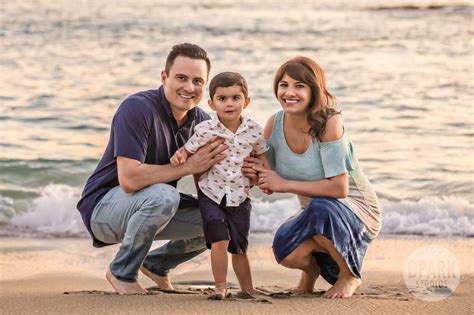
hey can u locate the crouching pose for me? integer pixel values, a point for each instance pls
(311, 156)
(131, 197)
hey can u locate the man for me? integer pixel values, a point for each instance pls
(131, 197)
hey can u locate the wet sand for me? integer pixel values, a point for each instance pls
(45, 276)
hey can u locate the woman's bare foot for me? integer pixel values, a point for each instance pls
(163, 283)
(344, 287)
(300, 291)
(306, 284)
(124, 288)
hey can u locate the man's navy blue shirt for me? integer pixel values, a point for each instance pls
(143, 129)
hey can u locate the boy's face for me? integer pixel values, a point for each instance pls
(184, 85)
(228, 103)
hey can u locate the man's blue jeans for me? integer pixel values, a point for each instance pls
(137, 219)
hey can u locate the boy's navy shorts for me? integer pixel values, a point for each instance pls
(225, 223)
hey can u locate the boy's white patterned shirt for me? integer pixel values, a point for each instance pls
(225, 177)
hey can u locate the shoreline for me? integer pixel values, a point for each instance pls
(35, 273)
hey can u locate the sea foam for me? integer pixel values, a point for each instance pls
(54, 213)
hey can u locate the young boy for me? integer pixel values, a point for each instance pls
(223, 190)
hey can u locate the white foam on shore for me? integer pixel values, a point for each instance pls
(446, 215)
(268, 215)
(54, 213)
(7, 209)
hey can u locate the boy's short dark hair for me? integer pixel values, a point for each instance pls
(187, 50)
(226, 79)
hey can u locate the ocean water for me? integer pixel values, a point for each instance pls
(402, 72)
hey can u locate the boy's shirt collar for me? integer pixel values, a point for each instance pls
(244, 125)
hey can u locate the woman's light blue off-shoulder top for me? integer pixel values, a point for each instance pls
(324, 160)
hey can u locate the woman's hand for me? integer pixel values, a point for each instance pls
(270, 180)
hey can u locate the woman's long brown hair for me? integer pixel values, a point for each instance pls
(322, 104)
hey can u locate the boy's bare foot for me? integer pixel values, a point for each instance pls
(300, 291)
(216, 296)
(220, 292)
(163, 283)
(124, 288)
(344, 287)
(254, 291)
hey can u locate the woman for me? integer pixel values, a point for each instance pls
(311, 156)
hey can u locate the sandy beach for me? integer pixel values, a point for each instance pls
(44, 276)
(402, 73)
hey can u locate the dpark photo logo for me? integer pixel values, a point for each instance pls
(431, 273)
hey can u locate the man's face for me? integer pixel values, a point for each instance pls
(184, 86)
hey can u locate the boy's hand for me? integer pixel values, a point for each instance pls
(248, 169)
(270, 180)
(179, 157)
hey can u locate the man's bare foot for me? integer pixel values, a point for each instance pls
(163, 283)
(344, 287)
(124, 288)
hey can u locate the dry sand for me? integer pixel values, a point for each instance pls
(36, 273)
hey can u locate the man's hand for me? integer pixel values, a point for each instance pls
(179, 157)
(207, 156)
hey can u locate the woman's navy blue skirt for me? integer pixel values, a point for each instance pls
(334, 220)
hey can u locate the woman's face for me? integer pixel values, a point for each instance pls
(294, 96)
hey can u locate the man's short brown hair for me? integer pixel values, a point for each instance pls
(187, 50)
